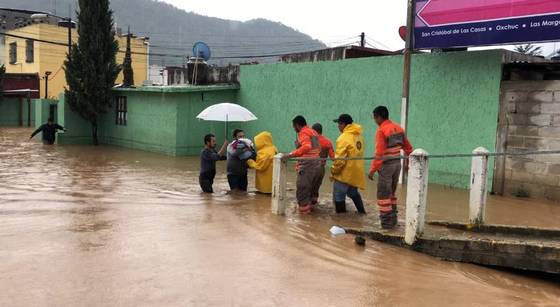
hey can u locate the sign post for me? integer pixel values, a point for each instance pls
(466, 23)
(409, 47)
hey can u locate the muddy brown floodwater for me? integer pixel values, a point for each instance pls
(106, 226)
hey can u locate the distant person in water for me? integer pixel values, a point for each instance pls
(208, 158)
(49, 131)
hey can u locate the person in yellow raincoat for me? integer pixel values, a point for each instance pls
(348, 175)
(263, 163)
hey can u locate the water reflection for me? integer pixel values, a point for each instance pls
(108, 226)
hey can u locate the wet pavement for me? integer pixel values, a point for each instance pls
(106, 226)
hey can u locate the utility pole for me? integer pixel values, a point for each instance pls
(69, 21)
(363, 39)
(409, 47)
(47, 74)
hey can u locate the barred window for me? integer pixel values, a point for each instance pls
(13, 53)
(29, 51)
(121, 110)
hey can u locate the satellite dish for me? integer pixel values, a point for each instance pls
(201, 50)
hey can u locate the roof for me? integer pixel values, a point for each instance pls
(336, 53)
(178, 89)
(16, 18)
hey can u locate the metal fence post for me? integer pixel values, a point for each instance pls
(416, 195)
(279, 176)
(479, 189)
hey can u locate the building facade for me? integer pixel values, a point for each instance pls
(29, 49)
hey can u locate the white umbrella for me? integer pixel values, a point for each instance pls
(226, 112)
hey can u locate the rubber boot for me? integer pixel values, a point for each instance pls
(359, 204)
(386, 219)
(340, 206)
(395, 215)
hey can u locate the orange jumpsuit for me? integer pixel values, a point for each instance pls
(309, 171)
(390, 139)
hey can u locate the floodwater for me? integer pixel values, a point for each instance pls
(105, 226)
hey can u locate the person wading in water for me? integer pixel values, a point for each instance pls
(49, 131)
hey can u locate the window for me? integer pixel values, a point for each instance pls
(121, 115)
(29, 52)
(13, 53)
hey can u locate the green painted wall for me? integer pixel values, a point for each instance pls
(164, 121)
(191, 131)
(454, 101)
(10, 110)
(78, 130)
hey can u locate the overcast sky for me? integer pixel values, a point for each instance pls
(330, 21)
(333, 22)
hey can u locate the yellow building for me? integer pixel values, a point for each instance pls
(26, 53)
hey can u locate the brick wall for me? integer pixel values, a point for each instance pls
(531, 122)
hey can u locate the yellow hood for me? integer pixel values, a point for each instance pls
(353, 128)
(263, 164)
(263, 139)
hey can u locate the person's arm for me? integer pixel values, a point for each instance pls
(37, 131)
(331, 151)
(341, 152)
(407, 147)
(223, 149)
(59, 127)
(305, 146)
(263, 162)
(380, 146)
(211, 156)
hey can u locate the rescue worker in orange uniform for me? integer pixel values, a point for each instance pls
(390, 139)
(327, 151)
(308, 171)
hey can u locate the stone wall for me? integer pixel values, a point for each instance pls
(531, 123)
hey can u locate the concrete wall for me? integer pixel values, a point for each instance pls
(14, 112)
(454, 101)
(532, 122)
(78, 130)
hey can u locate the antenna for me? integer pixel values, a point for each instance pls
(200, 50)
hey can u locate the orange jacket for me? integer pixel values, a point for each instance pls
(308, 141)
(390, 139)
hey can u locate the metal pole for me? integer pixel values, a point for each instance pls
(409, 46)
(69, 29)
(363, 39)
(46, 86)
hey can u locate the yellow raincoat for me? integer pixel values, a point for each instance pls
(350, 144)
(263, 165)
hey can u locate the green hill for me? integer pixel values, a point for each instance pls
(173, 31)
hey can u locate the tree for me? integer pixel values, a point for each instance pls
(127, 64)
(91, 67)
(529, 49)
(2, 74)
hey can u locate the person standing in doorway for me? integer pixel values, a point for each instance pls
(308, 169)
(327, 151)
(237, 162)
(208, 158)
(390, 139)
(348, 175)
(49, 131)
